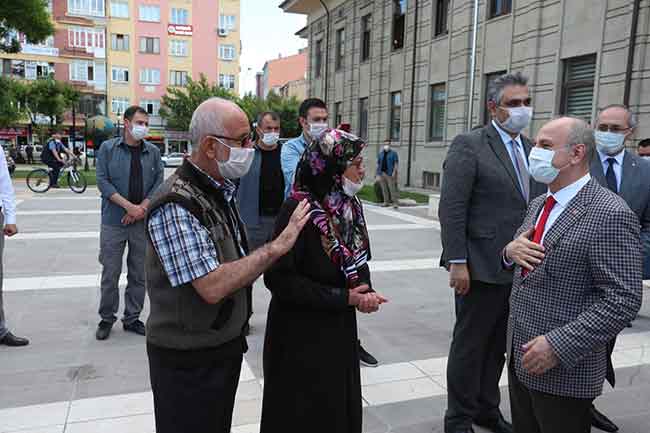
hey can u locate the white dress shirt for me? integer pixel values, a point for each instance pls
(618, 166)
(7, 196)
(562, 198)
(506, 139)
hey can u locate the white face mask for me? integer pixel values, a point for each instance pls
(518, 120)
(646, 157)
(270, 138)
(386, 148)
(351, 188)
(540, 165)
(317, 129)
(138, 132)
(238, 163)
(610, 143)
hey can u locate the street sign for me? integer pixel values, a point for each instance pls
(179, 30)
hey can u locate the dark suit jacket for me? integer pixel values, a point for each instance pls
(587, 288)
(481, 204)
(635, 190)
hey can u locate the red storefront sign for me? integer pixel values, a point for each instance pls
(179, 30)
(10, 133)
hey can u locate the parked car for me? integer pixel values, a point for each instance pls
(174, 159)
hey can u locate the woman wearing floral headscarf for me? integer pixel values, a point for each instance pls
(316, 288)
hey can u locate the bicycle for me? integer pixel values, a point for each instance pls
(38, 180)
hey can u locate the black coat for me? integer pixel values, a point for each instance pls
(311, 362)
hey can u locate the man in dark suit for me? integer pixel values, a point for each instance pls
(577, 285)
(484, 197)
(628, 175)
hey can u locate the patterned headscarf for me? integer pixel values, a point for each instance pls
(338, 217)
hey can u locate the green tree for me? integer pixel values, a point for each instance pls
(179, 103)
(11, 111)
(287, 109)
(30, 17)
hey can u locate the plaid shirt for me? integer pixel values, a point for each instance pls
(182, 243)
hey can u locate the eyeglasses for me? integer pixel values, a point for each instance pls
(243, 142)
(603, 127)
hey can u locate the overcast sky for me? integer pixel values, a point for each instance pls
(266, 31)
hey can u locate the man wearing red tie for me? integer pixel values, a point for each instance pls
(576, 285)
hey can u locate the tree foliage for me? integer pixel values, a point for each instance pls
(179, 104)
(47, 97)
(30, 17)
(10, 110)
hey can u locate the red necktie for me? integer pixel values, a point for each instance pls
(541, 224)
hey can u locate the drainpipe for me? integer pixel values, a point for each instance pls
(472, 72)
(327, 49)
(630, 54)
(412, 107)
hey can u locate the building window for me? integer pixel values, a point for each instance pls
(86, 7)
(180, 16)
(365, 38)
(119, 42)
(119, 74)
(177, 78)
(119, 104)
(150, 45)
(437, 113)
(338, 115)
(227, 52)
(488, 81)
(430, 179)
(500, 7)
(395, 115)
(442, 12)
(227, 22)
(178, 48)
(227, 81)
(151, 106)
(150, 76)
(578, 86)
(363, 118)
(399, 20)
(37, 70)
(81, 70)
(340, 48)
(150, 13)
(85, 37)
(318, 58)
(119, 8)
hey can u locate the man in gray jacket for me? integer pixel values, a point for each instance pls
(129, 170)
(485, 193)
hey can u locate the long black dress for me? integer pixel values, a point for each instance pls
(311, 362)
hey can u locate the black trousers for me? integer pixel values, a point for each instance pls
(54, 174)
(477, 355)
(191, 397)
(537, 412)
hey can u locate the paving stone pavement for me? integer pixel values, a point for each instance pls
(66, 381)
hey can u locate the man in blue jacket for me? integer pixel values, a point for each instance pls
(129, 170)
(387, 170)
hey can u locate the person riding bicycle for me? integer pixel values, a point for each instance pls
(51, 156)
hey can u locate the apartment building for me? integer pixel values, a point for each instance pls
(124, 52)
(401, 69)
(284, 72)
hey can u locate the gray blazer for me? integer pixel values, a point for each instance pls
(635, 190)
(585, 291)
(481, 204)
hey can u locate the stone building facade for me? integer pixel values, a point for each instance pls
(390, 61)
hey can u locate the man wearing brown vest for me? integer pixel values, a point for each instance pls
(198, 271)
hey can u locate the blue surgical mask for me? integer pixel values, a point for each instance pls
(610, 143)
(540, 165)
(518, 119)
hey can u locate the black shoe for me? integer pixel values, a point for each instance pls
(600, 421)
(461, 430)
(12, 341)
(103, 330)
(137, 327)
(367, 359)
(499, 425)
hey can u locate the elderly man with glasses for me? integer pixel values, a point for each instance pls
(627, 175)
(198, 270)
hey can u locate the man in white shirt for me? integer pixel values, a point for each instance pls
(576, 286)
(8, 222)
